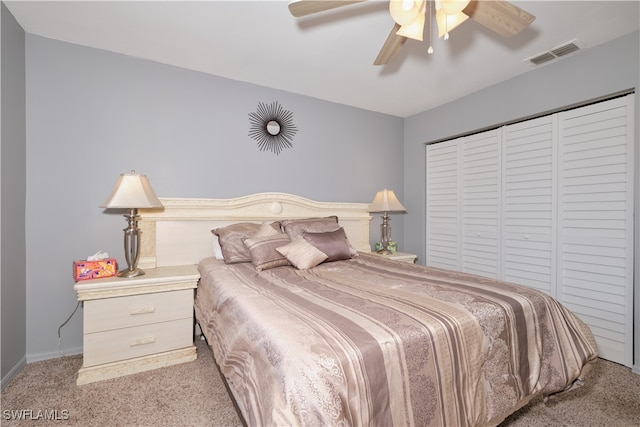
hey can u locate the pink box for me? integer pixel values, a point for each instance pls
(85, 270)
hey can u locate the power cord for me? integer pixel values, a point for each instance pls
(61, 326)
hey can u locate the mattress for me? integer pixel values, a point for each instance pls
(372, 341)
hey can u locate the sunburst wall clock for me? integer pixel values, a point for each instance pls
(272, 127)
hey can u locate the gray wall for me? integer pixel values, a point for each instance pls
(92, 115)
(593, 73)
(13, 193)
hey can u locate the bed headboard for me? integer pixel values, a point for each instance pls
(181, 232)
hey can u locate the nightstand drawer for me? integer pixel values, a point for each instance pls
(121, 344)
(128, 311)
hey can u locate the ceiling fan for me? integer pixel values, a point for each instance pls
(410, 16)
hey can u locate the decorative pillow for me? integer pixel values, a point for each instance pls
(302, 254)
(333, 243)
(295, 227)
(230, 239)
(263, 251)
(267, 229)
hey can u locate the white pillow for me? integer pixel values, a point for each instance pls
(217, 250)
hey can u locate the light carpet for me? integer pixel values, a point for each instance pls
(193, 394)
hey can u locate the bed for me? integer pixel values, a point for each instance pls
(356, 338)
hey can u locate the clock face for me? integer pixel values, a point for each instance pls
(272, 127)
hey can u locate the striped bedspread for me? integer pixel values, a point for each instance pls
(371, 341)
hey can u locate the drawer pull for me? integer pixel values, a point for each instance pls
(145, 309)
(142, 341)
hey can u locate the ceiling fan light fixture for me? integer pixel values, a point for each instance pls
(405, 12)
(415, 30)
(499, 16)
(447, 23)
(453, 7)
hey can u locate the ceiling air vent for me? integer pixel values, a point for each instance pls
(555, 53)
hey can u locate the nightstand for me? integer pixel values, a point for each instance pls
(400, 256)
(137, 324)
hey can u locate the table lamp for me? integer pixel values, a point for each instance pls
(132, 191)
(386, 202)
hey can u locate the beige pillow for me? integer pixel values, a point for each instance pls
(263, 251)
(295, 227)
(267, 229)
(301, 254)
(230, 239)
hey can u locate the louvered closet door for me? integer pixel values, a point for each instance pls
(463, 204)
(595, 266)
(442, 191)
(480, 209)
(529, 210)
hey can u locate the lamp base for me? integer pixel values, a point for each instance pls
(384, 252)
(131, 273)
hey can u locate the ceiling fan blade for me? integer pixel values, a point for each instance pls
(500, 16)
(300, 8)
(391, 45)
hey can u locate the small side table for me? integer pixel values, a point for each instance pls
(400, 256)
(137, 324)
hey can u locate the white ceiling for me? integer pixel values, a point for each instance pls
(328, 55)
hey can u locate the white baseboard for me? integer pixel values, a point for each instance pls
(53, 354)
(13, 372)
(30, 358)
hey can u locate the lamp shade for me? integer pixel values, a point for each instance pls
(404, 12)
(132, 191)
(453, 7)
(447, 23)
(386, 201)
(414, 30)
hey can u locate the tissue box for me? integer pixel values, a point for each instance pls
(84, 270)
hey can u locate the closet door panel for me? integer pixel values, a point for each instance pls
(547, 203)
(529, 206)
(595, 184)
(480, 187)
(442, 205)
